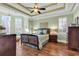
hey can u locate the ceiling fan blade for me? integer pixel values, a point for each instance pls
(39, 12)
(29, 7)
(36, 3)
(42, 8)
(32, 11)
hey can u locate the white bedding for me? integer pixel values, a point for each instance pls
(42, 40)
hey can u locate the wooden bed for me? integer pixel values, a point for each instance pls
(38, 40)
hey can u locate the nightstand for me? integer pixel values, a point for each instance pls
(52, 38)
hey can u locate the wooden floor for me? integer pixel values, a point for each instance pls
(50, 49)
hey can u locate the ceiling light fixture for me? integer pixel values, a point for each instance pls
(36, 9)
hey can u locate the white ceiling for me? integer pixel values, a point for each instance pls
(49, 7)
(32, 4)
(52, 9)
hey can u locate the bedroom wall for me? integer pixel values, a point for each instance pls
(53, 21)
(14, 14)
(76, 13)
(0, 20)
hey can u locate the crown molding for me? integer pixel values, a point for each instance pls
(51, 4)
(16, 9)
(61, 13)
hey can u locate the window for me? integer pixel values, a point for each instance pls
(18, 25)
(6, 23)
(63, 24)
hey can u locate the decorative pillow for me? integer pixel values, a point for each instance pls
(44, 31)
(39, 32)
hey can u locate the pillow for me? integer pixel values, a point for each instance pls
(38, 32)
(44, 31)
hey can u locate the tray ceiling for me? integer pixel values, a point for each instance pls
(50, 8)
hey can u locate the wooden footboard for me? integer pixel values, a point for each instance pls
(30, 39)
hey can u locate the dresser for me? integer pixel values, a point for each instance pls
(8, 45)
(73, 38)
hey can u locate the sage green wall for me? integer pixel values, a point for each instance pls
(12, 25)
(53, 21)
(0, 20)
(5, 11)
(25, 23)
(30, 26)
(69, 19)
(76, 13)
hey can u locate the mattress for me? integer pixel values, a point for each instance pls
(43, 39)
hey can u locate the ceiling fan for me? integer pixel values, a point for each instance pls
(36, 9)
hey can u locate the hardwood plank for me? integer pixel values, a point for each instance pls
(50, 49)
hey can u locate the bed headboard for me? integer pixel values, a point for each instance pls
(43, 31)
